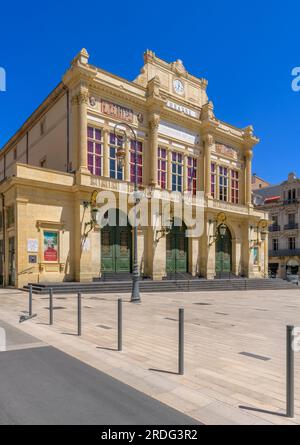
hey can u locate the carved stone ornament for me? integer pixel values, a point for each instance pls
(92, 101)
(178, 67)
(154, 122)
(81, 98)
(209, 140)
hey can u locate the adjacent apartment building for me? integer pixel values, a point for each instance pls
(282, 202)
(67, 151)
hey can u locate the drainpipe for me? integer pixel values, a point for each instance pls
(3, 243)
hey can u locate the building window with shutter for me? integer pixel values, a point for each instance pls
(292, 243)
(94, 150)
(162, 167)
(138, 161)
(234, 186)
(223, 183)
(192, 174)
(213, 179)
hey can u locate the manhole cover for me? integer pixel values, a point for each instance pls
(103, 326)
(203, 304)
(220, 313)
(171, 319)
(56, 307)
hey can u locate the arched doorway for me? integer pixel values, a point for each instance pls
(116, 244)
(292, 267)
(223, 253)
(177, 249)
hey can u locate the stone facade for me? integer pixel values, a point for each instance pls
(282, 203)
(67, 150)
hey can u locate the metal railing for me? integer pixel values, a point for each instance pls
(284, 252)
(274, 228)
(291, 226)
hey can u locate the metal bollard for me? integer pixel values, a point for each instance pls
(289, 372)
(120, 324)
(79, 314)
(30, 301)
(51, 306)
(181, 342)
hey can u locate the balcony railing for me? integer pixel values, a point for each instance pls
(291, 226)
(290, 201)
(274, 228)
(284, 252)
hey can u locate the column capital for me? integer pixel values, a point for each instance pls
(81, 98)
(154, 121)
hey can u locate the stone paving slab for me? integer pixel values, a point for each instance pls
(220, 385)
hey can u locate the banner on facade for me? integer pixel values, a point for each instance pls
(50, 246)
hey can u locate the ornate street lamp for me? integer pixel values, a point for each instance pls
(220, 229)
(262, 229)
(121, 136)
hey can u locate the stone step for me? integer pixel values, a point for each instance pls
(162, 286)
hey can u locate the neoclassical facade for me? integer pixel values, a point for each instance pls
(69, 148)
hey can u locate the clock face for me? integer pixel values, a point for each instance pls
(178, 86)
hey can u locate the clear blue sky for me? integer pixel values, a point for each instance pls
(246, 50)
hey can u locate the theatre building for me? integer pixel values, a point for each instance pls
(69, 149)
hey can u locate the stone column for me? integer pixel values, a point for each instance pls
(79, 103)
(209, 141)
(248, 168)
(154, 124)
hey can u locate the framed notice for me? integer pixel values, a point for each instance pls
(50, 246)
(32, 245)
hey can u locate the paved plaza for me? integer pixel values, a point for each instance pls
(234, 347)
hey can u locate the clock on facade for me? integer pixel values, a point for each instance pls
(178, 86)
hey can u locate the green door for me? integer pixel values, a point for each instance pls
(223, 253)
(116, 249)
(177, 250)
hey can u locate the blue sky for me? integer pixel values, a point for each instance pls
(246, 50)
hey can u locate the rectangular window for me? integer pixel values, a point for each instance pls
(94, 148)
(177, 172)
(291, 219)
(292, 195)
(292, 243)
(138, 161)
(162, 167)
(116, 171)
(234, 186)
(223, 183)
(213, 179)
(275, 244)
(192, 174)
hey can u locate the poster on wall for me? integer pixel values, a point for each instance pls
(50, 246)
(32, 245)
(255, 255)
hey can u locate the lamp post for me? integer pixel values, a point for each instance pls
(121, 136)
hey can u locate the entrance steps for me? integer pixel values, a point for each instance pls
(147, 285)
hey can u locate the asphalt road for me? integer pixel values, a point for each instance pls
(42, 385)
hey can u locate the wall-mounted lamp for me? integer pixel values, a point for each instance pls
(262, 230)
(221, 227)
(92, 204)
